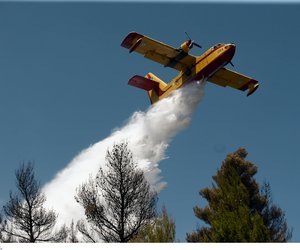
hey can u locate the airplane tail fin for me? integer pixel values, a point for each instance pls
(151, 83)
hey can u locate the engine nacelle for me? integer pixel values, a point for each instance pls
(186, 46)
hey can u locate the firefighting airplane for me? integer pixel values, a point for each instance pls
(209, 66)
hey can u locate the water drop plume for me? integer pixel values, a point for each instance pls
(148, 135)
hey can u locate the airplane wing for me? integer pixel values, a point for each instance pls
(225, 77)
(158, 52)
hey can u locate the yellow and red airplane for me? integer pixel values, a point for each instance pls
(209, 66)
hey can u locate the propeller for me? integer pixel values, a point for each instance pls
(192, 42)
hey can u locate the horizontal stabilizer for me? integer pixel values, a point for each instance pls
(142, 83)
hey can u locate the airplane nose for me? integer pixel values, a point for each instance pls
(232, 45)
(230, 51)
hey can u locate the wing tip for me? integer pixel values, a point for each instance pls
(128, 40)
(252, 88)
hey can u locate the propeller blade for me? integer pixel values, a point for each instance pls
(188, 36)
(191, 42)
(197, 45)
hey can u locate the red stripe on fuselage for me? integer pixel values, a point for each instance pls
(217, 63)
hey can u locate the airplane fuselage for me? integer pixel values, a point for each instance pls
(205, 66)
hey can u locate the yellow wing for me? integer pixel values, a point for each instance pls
(158, 52)
(225, 77)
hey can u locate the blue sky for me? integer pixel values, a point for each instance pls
(63, 79)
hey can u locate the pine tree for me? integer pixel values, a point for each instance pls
(160, 229)
(237, 210)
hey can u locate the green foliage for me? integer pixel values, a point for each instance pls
(237, 210)
(161, 229)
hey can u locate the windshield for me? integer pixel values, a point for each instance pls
(217, 46)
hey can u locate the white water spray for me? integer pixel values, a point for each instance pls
(148, 135)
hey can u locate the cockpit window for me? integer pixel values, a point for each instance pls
(217, 46)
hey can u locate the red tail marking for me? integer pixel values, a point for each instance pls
(143, 83)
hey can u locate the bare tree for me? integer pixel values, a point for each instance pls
(25, 219)
(87, 233)
(72, 233)
(4, 237)
(119, 200)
